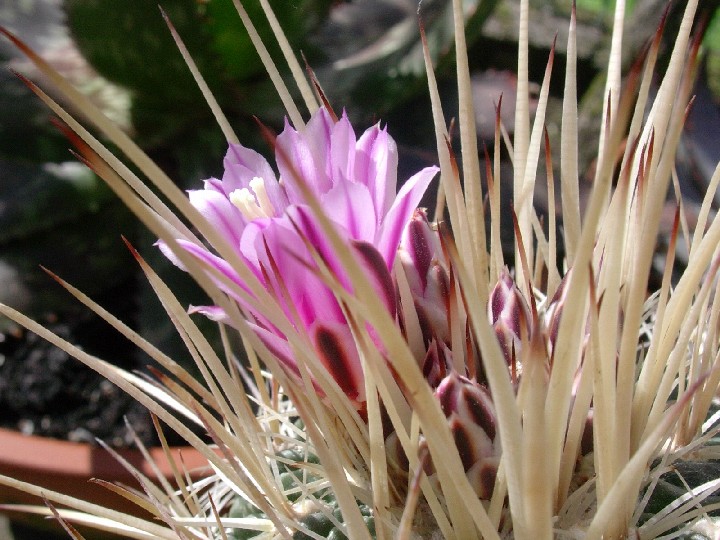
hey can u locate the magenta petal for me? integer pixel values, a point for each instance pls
(374, 266)
(278, 346)
(337, 352)
(402, 209)
(296, 274)
(318, 136)
(314, 234)
(225, 269)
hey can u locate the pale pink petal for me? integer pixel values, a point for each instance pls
(220, 213)
(239, 160)
(242, 165)
(342, 151)
(249, 240)
(170, 254)
(214, 184)
(317, 135)
(300, 159)
(350, 205)
(402, 209)
(376, 161)
(214, 313)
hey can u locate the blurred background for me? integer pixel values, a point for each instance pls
(368, 58)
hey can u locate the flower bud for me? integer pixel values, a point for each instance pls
(510, 316)
(437, 363)
(553, 312)
(471, 414)
(427, 275)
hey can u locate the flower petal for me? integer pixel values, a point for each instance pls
(342, 151)
(350, 205)
(399, 214)
(242, 165)
(265, 217)
(293, 276)
(220, 213)
(338, 353)
(278, 346)
(219, 264)
(303, 157)
(308, 226)
(376, 166)
(214, 313)
(379, 275)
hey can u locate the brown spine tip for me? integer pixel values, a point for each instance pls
(131, 248)
(267, 134)
(318, 88)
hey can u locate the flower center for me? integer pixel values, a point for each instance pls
(253, 204)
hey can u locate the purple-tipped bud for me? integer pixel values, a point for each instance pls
(437, 363)
(553, 313)
(471, 414)
(510, 316)
(419, 246)
(427, 274)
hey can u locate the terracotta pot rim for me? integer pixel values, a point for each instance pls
(48, 455)
(67, 467)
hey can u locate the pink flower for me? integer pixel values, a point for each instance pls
(268, 221)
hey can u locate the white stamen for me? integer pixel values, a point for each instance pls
(253, 204)
(246, 203)
(258, 186)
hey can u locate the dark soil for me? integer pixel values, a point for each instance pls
(45, 391)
